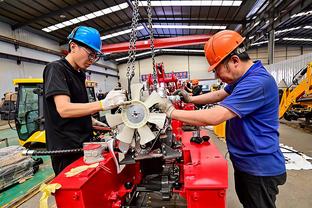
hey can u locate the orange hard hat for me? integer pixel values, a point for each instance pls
(220, 45)
(194, 81)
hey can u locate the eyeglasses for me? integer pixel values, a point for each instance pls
(92, 56)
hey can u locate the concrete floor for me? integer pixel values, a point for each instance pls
(296, 193)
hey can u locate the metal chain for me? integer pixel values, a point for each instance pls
(151, 34)
(132, 44)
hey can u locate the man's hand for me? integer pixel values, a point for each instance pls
(113, 99)
(184, 95)
(166, 106)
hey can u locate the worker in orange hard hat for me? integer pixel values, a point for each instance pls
(249, 104)
(195, 82)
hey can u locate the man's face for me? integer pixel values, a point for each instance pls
(84, 57)
(226, 71)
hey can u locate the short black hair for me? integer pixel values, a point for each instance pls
(240, 51)
(79, 44)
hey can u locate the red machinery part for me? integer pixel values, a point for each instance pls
(203, 174)
(158, 43)
(95, 187)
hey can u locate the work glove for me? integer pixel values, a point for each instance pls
(113, 99)
(185, 97)
(98, 123)
(166, 107)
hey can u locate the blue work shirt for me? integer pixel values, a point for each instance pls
(252, 136)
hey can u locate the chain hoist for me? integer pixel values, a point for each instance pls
(151, 34)
(132, 45)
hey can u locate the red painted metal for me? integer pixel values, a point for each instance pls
(203, 175)
(96, 187)
(158, 43)
(161, 78)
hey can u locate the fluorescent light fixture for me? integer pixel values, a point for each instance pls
(87, 17)
(183, 50)
(287, 30)
(90, 16)
(257, 23)
(191, 3)
(137, 55)
(107, 11)
(46, 30)
(298, 39)
(67, 23)
(308, 13)
(98, 13)
(123, 5)
(262, 42)
(120, 33)
(60, 25)
(205, 27)
(259, 43)
(52, 28)
(293, 28)
(75, 20)
(82, 18)
(115, 8)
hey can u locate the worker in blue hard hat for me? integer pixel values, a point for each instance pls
(67, 111)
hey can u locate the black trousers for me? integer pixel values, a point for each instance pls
(61, 162)
(257, 191)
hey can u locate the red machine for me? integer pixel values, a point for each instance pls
(161, 76)
(202, 180)
(175, 162)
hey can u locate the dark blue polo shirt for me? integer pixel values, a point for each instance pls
(252, 136)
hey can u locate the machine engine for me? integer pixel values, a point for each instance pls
(145, 135)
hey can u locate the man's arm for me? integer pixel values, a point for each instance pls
(210, 98)
(212, 116)
(66, 109)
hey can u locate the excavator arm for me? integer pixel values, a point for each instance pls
(299, 94)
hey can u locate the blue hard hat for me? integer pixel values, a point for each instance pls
(88, 36)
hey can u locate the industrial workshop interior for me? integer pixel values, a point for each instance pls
(143, 104)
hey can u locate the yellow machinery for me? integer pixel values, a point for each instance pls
(29, 119)
(296, 102)
(219, 130)
(29, 111)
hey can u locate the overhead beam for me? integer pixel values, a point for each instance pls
(158, 43)
(28, 45)
(20, 59)
(52, 14)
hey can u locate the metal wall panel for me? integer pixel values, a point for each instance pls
(196, 66)
(28, 37)
(288, 68)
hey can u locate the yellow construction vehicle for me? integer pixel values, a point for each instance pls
(29, 111)
(296, 100)
(29, 120)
